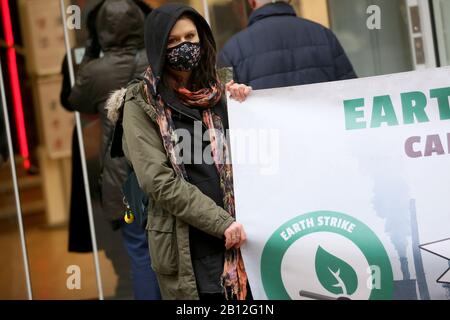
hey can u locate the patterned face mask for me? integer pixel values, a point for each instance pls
(184, 57)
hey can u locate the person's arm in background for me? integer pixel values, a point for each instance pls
(222, 60)
(66, 87)
(342, 65)
(225, 66)
(83, 96)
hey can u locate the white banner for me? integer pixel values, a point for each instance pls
(344, 188)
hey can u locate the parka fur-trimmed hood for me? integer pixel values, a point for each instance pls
(114, 104)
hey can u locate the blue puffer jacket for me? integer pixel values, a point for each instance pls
(278, 49)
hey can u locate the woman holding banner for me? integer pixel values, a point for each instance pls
(194, 239)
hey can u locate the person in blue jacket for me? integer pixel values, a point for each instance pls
(279, 49)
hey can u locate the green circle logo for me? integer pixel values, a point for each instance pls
(335, 276)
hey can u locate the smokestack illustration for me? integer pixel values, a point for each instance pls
(418, 263)
(391, 202)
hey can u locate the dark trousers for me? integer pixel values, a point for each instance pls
(145, 284)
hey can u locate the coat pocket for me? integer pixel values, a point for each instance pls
(162, 242)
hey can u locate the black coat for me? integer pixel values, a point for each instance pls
(278, 49)
(79, 233)
(120, 31)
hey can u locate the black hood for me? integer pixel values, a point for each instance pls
(157, 29)
(120, 25)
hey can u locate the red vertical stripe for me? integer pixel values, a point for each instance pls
(14, 80)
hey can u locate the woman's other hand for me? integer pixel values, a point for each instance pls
(238, 92)
(235, 235)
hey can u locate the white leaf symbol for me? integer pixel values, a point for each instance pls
(340, 283)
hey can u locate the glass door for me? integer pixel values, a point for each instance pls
(441, 11)
(377, 51)
(403, 41)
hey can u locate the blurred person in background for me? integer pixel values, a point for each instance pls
(116, 29)
(279, 49)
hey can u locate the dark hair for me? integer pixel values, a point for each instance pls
(204, 75)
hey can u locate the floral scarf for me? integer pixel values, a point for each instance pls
(234, 277)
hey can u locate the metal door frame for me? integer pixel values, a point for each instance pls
(422, 33)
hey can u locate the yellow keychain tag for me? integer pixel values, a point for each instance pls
(129, 217)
